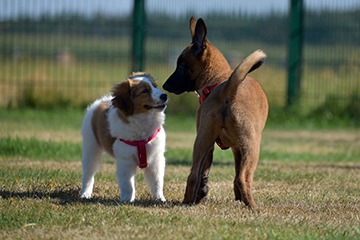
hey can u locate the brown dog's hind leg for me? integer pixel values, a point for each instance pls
(237, 183)
(245, 164)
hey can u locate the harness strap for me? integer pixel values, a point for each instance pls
(141, 148)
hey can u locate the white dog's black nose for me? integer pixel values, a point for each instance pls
(163, 97)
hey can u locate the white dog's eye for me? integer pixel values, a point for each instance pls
(145, 90)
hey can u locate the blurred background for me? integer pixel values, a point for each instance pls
(68, 53)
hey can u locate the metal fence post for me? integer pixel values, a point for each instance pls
(138, 35)
(295, 51)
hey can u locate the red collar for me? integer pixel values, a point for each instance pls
(206, 92)
(141, 148)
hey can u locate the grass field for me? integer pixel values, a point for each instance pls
(307, 185)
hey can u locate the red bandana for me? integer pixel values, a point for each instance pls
(141, 148)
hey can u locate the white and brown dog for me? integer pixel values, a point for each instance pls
(128, 125)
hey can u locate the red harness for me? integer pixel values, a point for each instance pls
(204, 94)
(141, 148)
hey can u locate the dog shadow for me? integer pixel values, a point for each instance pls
(72, 196)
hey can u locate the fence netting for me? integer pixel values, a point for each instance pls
(71, 52)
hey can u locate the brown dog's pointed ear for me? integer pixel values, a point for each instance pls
(199, 38)
(122, 97)
(192, 27)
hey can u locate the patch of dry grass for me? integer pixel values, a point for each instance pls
(295, 200)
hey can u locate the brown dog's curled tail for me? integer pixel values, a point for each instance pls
(249, 64)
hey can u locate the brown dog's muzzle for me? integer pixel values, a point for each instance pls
(179, 82)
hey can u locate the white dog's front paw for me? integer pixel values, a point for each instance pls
(126, 201)
(159, 199)
(127, 198)
(85, 195)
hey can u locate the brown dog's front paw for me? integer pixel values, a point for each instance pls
(188, 199)
(185, 202)
(202, 194)
(191, 190)
(200, 198)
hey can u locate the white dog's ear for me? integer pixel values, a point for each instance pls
(122, 97)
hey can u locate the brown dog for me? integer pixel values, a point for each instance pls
(232, 113)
